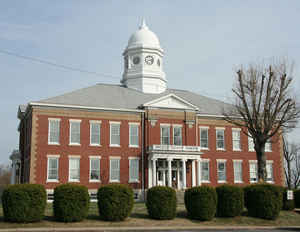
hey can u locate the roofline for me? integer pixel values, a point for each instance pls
(217, 116)
(83, 107)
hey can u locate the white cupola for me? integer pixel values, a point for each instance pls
(143, 62)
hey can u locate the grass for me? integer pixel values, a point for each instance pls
(139, 218)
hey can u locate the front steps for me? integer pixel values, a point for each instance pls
(180, 196)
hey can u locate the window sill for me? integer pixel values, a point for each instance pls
(95, 181)
(114, 181)
(222, 181)
(57, 144)
(253, 181)
(74, 181)
(95, 145)
(238, 182)
(236, 149)
(52, 181)
(204, 148)
(114, 145)
(221, 149)
(205, 181)
(133, 146)
(133, 181)
(74, 144)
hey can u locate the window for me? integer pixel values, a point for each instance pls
(133, 169)
(114, 174)
(165, 135)
(95, 133)
(221, 171)
(250, 144)
(269, 168)
(205, 171)
(253, 171)
(95, 168)
(52, 174)
(75, 132)
(115, 134)
(133, 135)
(53, 130)
(268, 146)
(177, 135)
(220, 139)
(238, 171)
(204, 138)
(74, 169)
(236, 140)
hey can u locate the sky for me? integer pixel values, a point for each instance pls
(204, 43)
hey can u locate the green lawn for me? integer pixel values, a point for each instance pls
(139, 217)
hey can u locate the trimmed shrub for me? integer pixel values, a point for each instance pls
(287, 204)
(71, 202)
(297, 198)
(201, 202)
(115, 202)
(161, 202)
(230, 201)
(24, 203)
(263, 200)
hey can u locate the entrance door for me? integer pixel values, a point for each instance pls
(174, 179)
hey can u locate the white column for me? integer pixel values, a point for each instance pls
(13, 173)
(199, 171)
(149, 174)
(184, 173)
(154, 182)
(169, 172)
(193, 173)
(178, 174)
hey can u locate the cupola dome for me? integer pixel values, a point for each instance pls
(143, 37)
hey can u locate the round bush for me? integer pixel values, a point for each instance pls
(24, 203)
(161, 202)
(263, 200)
(71, 202)
(115, 202)
(297, 198)
(287, 204)
(230, 201)
(201, 202)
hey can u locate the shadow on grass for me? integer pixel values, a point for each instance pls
(140, 215)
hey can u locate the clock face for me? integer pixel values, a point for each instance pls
(136, 60)
(149, 60)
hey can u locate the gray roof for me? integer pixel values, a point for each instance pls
(120, 97)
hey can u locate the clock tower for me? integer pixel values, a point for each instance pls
(143, 62)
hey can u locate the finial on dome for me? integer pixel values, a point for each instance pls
(143, 25)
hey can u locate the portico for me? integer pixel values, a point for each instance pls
(167, 165)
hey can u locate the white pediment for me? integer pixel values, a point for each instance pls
(171, 101)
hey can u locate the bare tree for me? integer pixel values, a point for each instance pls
(264, 105)
(291, 153)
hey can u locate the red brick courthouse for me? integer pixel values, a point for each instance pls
(139, 133)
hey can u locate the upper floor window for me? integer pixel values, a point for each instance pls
(75, 132)
(268, 146)
(269, 169)
(52, 170)
(74, 169)
(95, 168)
(253, 171)
(250, 144)
(133, 169)
(114, 173)
(115, 134)
(177, 135)
(204, 137)
(236, 139)
(165, 134)
(95, 133)
(220, 138)
(53, 130)
(221, 165)
(133, 134)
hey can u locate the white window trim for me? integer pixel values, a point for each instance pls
(220, 129)
(116, 123)
(222, 161)
(74, 157)
(173, 128)
(95, 122)
(95, 158)
(138, 130)
(206, 128)
(269, 141)
(249, 139)
(238, 181)
(206, 161)
(57, 157)
(270, 162)
(49, 120)
(114, 158)
(165, 125)
(238, 130)
(70, 121)
(255, 162)
(134, 180)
